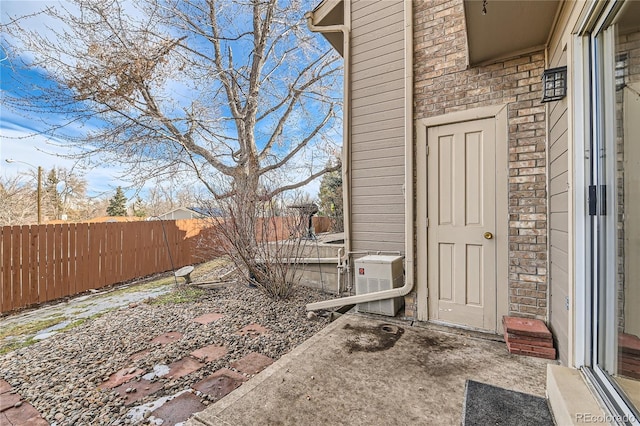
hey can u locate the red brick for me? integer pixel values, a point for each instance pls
(547, 353)
(526, 327)
(628, 343)
(539, 352)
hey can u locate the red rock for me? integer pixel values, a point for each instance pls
(8, 400)
(142, 388)
(252, 363)
(25, 415)
(183, 367)
(220, 383)
(178, 409)
(209, 353)
(166, 338)
(4, 387)
(120, 377)
(208, 318)
(140, 354)
(526, 327)
(252, 330)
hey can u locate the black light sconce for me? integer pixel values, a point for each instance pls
(554, 84)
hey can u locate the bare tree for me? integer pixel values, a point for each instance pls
(234, 92)
(17, 201)
(64, 194)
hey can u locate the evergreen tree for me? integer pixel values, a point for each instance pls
(117, 204)
(139, 208)
(51, 196)
(331, 199)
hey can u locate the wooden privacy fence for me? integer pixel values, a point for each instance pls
(41, 263)
(46, 262)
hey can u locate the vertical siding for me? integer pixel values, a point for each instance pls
(559, 226)
(559, 199)
(377, 125)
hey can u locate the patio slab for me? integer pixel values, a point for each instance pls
(4, 387)
(252, 363)
(139, 390)
(208, 318)
(220, 383)
(178, 409)
(25, 415)
(183, 367)
(166, 338)
(9, 400)
(252, 330)
(209, 353)
(363, 371)
(139, 355)
(120, 377)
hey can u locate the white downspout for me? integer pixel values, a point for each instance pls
(346, 127)
(408, 176)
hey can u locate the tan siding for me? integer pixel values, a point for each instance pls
(558, 213)
(381, 153)
(377, 125)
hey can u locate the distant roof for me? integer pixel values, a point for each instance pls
(101, 219)
(201, 211)
(207, 211)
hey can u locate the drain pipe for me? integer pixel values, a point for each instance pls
(408, 177)
(346, 126)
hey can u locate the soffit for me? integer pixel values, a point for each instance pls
(330, 12)
(509, 27)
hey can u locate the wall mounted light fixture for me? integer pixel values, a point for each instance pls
(554, 84)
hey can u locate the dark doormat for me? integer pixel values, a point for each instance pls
(490, 405)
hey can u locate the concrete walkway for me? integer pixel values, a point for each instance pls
(365, 371)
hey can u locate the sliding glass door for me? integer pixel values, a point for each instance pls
(614, 207)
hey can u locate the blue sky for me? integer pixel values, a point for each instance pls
(20, 137)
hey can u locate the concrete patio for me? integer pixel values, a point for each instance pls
(362, 370)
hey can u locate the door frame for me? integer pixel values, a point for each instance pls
(501, 234)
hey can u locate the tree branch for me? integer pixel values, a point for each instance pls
(299, 184)
(301, 145)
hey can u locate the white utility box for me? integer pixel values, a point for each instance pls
(376, 273)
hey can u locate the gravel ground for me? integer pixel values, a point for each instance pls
(60, 376)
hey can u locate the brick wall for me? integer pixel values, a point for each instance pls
(443, 84)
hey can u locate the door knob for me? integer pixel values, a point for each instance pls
(488, 235)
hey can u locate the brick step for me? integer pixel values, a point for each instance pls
(526, 327)
(629, 373)
(628, 343)
(629, 359)
(525, 340)
(535, 351)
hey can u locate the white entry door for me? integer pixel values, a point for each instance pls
(461, 195)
